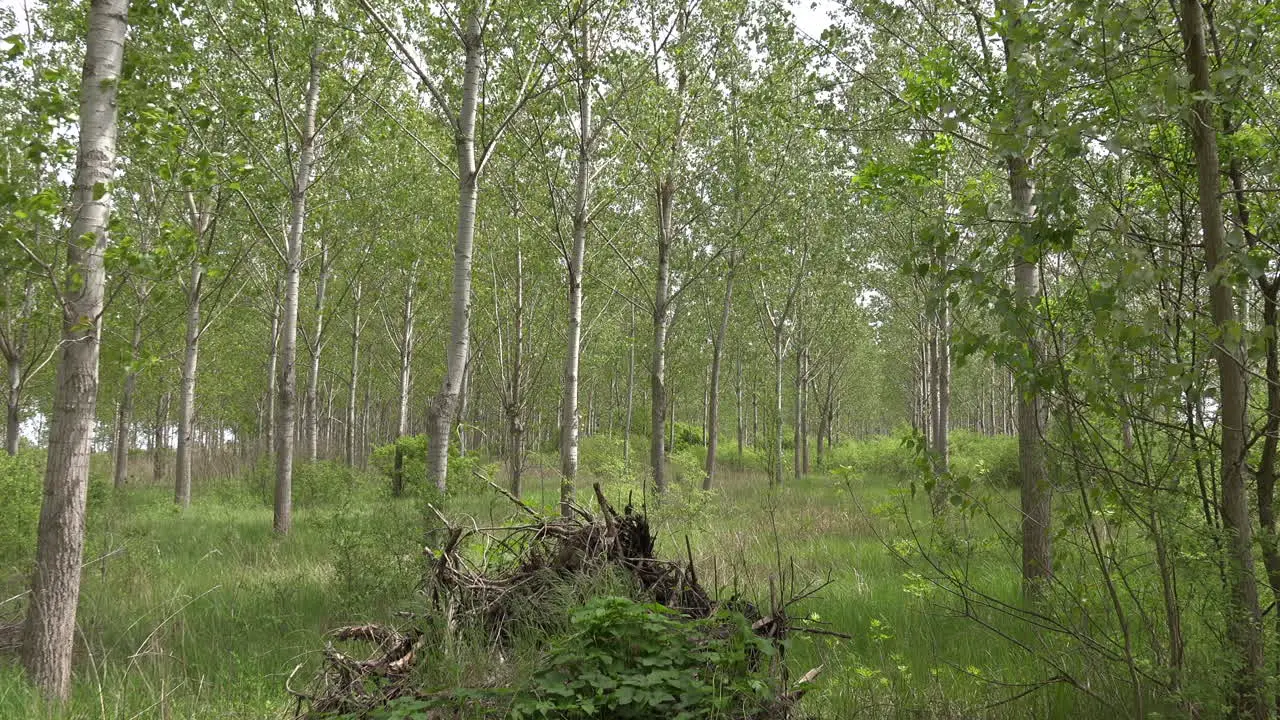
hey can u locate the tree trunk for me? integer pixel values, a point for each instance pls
(355, 374)
(797, 429)
(124, 416)
(737, 390)
(446, 403)
(1245, 617)
(713, 392)
(1036, 492)
(311, 429)
(942, 409)
(406, 362)
(661, 320)
(158, 438)
(631, 390)
(515, 399)
(13, 409)
(777, 407)
(273, 355)
(48, 633)
(187, 386)
(577, 257)
(283, 516)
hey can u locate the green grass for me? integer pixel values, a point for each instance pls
(206, 612)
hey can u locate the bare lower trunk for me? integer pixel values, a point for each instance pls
(445, 404)
(13, 406)
(355, 375)
(942, 411)
(777, 411)
(577, 257)
(47, 635)
(1036, 493)
(283, 515)
(273, 355)
(631, 390)
(661, 320)
(515, 387)
(124, 415)
(737, 390)
(311, 429)
(187, 388)
(158, 438)
(1245, 618)
(797, 428)
(713, 391)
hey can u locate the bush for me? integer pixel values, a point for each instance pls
(687, 436)
(890, 457)
(462, 468)
(21, 481)
(990, 458)
(627, 660)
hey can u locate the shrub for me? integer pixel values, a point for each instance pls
(889, 456)
(462, 468)
(687, 436)
(627, 660)
(21, 480)
(989, 458)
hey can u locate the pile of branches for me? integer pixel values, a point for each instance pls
(493, 579)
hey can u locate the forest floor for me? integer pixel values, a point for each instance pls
(205, 613)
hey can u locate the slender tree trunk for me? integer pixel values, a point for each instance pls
(187, 387)
(13, 409)
(283, 519)
(273, 355)
(311, 428)
(713, 393)
(13, 345)
(1266, 485)
(515, 398)
(577, 257)
(445, 404)
(661, 321)
(1036, 492)
(942, 409)
(124, 417)
(355, 374)
(631, 390)
(158, 438)
(48, 633)
(777, 407)
(406, 362)
(1245, 617)
(797, 431)
(737, 390)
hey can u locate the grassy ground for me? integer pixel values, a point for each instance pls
(205, 613)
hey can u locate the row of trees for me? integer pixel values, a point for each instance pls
(940, 215)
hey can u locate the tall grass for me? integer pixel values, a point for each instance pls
(206, 612)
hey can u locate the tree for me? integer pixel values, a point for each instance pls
(48, 633)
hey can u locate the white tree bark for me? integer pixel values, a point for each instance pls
(49, 629)
(355, 374)
(187, 386)
(445, 404)
(13, 346)
(283, 519)
(569, 419)
(661, 323)
(273, 357)
(713, 392)
(406, 363)
(124, 415)
(315, 346)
